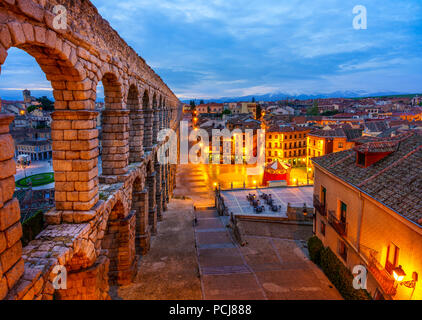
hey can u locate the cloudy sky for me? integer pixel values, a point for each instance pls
(221, 48)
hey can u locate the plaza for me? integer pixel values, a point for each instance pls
(237, 203)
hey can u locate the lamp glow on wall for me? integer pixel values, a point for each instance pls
(399, 274)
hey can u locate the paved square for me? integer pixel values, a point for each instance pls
(237, 202)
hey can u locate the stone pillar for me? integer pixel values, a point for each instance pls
(148, 128)
(156, 126)
(143, 235)
(11, 262)
(115, 142)
(75, 159)
(136, 135)
(162, 113)
(119, 241)
(152, 210)
(158, 191)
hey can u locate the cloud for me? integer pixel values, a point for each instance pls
(220, 48)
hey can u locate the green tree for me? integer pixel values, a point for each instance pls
(192, 104)
(32, 108)
(201, 102)
(313, 111)
(329, 113)
(253, 99)
(46, 104)
(258, 111)
(227, 111)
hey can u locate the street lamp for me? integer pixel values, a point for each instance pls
(399, 274)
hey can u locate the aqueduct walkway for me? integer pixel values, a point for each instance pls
(100, 223)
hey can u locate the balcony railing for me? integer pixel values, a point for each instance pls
(384, 279)
(319, 207)
(338, 225)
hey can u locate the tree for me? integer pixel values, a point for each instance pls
(313, 111)
(329, 113)
(201, 102)
(32, 108)
(192, 104)
(253, 99)
(258, 111)
(227, 111)
(46, 104)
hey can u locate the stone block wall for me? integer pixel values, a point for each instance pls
(79, 229)
(11, 262)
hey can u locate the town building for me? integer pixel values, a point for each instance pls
(37, 149)
(329, 140)
(286, 144)
(210, 108)
(369, 212)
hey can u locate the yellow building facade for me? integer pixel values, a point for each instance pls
(361, 229)
(286, 144)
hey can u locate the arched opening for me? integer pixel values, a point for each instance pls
(156, 115)
(140, 206)
(151, 186)
(148, 121)
(28, 96)
(114, 128)
(119, 241)
(136, 123)
(61, 74)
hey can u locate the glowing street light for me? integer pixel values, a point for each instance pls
(399, 274)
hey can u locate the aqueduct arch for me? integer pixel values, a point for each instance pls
(99, 222)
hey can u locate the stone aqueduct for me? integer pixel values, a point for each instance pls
(101, 224)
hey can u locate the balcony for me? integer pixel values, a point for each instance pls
(383, 278)
(338, 225)
(319, 207)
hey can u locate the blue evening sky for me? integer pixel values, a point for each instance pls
(221, 48)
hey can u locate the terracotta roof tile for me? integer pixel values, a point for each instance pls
(395, 180)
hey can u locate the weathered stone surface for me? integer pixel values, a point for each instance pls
(9, 214)
(93, 228)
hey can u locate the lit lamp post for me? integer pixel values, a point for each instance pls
(399, 274)
(256, 186)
